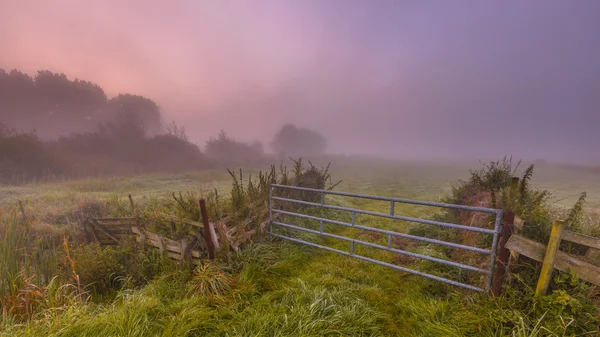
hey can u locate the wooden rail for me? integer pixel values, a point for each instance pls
(176, 250)
(203, 238)
(553, 258)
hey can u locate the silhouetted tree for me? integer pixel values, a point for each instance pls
(294, 141)
(54, 105)
(228, 151)
(147, 111)
(65, 106)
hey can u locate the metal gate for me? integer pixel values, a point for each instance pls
(390, 234)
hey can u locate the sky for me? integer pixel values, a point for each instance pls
(423, 79)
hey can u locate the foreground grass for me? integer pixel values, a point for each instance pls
(284, 289)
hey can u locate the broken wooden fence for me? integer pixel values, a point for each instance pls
(112, 231)
(176, 250)
(109, 231)
(553, 258)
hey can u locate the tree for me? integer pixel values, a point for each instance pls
(227, 150)
(294, 141)
(145, 108)
(54, 105)
(64, 105)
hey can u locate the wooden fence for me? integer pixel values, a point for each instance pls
(109, 231)
(176, 250)
(196, 245)
(552, 258)
(112, 231)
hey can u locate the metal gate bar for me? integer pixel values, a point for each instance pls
(387, 232)
(492, 252)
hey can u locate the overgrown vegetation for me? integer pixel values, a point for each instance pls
(569, 309)
(52, 286)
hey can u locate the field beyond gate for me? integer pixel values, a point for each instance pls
(292, 201)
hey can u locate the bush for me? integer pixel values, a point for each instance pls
(567, 310)
(225, 151)
(24, 157)
(105, 270)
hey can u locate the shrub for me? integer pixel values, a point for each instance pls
(24, 157)
(225, 151)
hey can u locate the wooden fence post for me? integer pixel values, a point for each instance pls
(161, 244)
(207, 236)
(503, 254)
(184, 246)
(143, 239)
(548, 264)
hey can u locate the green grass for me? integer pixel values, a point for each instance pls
(284, 289)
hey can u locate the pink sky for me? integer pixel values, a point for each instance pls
(386, 77)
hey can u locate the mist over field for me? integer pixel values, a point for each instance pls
(299, 168)
(409, 79)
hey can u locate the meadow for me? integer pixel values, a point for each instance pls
(275, 288)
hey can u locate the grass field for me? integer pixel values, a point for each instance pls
(284, 289)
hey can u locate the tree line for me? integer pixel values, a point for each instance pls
(74, 130)
(53, 105)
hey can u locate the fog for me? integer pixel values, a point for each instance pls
(393, 78)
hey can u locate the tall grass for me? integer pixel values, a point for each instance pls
(13, 260)
(275, 288)
(20, 293)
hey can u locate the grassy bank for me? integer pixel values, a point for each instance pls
(280, 289)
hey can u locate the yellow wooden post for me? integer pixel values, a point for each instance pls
(551, 250)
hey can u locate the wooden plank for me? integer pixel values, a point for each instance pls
(184, 246)
(116, 223)
(564, 262)
(581, 239)
(171, 241)
(90, 229)
(151, 236)
(519, 223)
(100, 228)
(116, 219)
(116, 232)
(174, 256)
(171, 247)
(593, 254)
(215, 238)
(183, 221)
(111, 227)
(152, 239)
(152, 243)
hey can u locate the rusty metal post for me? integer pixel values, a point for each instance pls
(503, 254)
(207, 235)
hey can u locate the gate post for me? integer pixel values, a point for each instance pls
(503, 254)
(207, 235)
(270, 211)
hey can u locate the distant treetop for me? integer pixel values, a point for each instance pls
(291, 140)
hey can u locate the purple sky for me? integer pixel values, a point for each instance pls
(398, 78)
